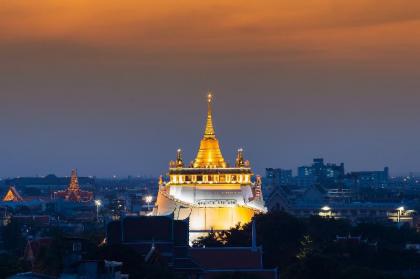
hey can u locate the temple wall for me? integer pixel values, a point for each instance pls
(164, 206)
(219, 218)
(194, 194)
(204, 218)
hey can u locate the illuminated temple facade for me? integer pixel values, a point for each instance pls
(213, 195)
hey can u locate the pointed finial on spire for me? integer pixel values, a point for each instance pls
(209, 103)
(209, 125)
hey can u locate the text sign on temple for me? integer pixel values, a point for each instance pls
(216, 202)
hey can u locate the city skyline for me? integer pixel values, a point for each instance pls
(209, 139)
(115, 89)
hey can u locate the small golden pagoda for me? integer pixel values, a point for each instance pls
(73, 192)
(213, 195)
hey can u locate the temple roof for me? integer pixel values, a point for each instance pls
(209, 154)
(12, 195)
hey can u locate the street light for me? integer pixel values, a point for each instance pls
(326, 208)
(98, 203)
(400, 210)
(148, 200)
(325, 211)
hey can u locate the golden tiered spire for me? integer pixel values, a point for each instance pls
(74, 181)
(209, 154)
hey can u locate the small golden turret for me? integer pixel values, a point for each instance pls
(179, 162)
(240, 163)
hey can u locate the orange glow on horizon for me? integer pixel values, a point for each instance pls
(276, 30)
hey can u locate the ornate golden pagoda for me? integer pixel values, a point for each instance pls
(211, 194)
(73, 192)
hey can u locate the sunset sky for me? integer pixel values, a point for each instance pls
(115, 87)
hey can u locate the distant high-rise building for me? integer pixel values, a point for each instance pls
(118, 207)
(329, 175)
(277, 177)
(362, 179)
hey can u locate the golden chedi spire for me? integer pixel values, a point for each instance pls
(74, 181)
(209, 154)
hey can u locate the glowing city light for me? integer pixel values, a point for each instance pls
(149, 199)
(326, 208)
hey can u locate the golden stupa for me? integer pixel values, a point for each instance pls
(211, 194)
(209, 154)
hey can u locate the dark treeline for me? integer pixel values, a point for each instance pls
(299, 248)
(309, 248)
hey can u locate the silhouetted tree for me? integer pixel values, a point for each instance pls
(12, 238)
(308, 248)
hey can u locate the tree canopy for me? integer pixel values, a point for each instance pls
(325, 247)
